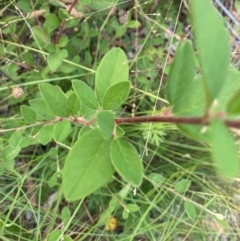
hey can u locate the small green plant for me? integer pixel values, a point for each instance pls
(202, 90)
(100, 149)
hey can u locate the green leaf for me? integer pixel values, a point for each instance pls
(53, 180)
(84, 130)
(105, 121)
(133, 24)
(221, 220)
(125, 214)
(63, 41)
(214, 58)
(132, 208)
(182, 185)
(61, 130)
(51, 23)
(45, 134)
(190, 210)
(182, 72)
(15, 139)
(87, 167)
(192, 103)
(8, 155)
(55, 235)
(28, 114)
(126, 161)
(237, 6)
(119, 131)
(24, 6)
(40, 36)
(73, 104)
(233, 106)
(55, 59)
(67, 238)
(116, 95)
(156, 178)
(55, 99)
(65, 215)
(41, 108)
(112, 69)
(99, 4)
(223, 150)
(28, 141)
(85, 94)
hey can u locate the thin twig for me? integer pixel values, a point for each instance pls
(64, 21)
(174, 120)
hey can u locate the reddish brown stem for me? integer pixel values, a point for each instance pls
(64, 21)
(173, 119)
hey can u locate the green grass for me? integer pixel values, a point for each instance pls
(31, 201)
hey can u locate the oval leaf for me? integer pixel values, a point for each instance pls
(15, 139)
(133, 24)
(105, 121)
(85, 94)
(156, 178)
(88, 166)
(182, 185)
(40, 36)
(214, 58)
(132, 208)
(28, 114)
(42, 109)
(45, 134)
(181, 73)
(55, 99)
(223, 150)
(66, 215)
(61, 130)
(126, 161)
(55, 59)
(8, 155)
(112, 69)
(190, 210)
(116, 95)
(73, 104)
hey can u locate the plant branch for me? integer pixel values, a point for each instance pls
(175, 120)
(64, 21)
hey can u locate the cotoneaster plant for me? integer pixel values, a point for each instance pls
(205, 102)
